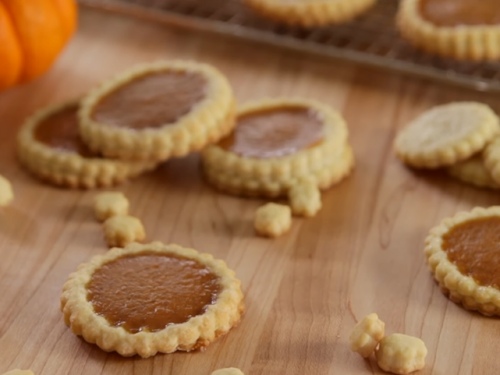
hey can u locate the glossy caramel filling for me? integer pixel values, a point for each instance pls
(461, 12)
(275, 133)
(60, 131)
(151, 101)
(474, 247)
(150, 291)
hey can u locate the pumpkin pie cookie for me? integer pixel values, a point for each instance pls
(152, 298)
(158, 111)
(447, 134)
(473, 171)
(310, 13)
(463, 253)
(49, 146)
(275, 144)
(459, 29)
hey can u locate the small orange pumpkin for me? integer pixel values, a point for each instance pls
(32, 34)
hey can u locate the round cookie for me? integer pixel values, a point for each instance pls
(49, 146)
(446, 134)
(275, 144)
(152, 298)
(310, 13)
(463, 253)
(158, 111)
(459, 29)
(473, 171)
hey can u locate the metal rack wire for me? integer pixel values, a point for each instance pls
(370, 39)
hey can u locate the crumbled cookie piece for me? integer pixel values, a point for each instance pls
(401, 354)
(272, 219)
(228, 371)
(122, 230)
(6, 192)
(19, 372)
(305, 198)
(110, 204)
(366, 335)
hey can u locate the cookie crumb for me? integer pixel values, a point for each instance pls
(228, 371)
(122, 230)
(305, 198)
(273, 220)
(366, 335)
(19, 372)
(6, 192)
(110, 204)
(401, 354)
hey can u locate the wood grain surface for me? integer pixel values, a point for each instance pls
(304, 291)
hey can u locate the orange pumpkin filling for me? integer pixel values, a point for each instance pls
(151, 101)
(461, 12)
(150, 291)
(474, 247)
(60, 131)
(274, 133)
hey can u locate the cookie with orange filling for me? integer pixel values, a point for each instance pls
(460, 29)
(277, 143)
(463, 253)
(153, 298)
(50, 146)
(158, 111)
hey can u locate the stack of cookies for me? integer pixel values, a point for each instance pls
(154, 112)
(128, 125)
(462, 137)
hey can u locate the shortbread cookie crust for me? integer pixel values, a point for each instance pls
(66, 168)
(457, 286)
(478, 43)
(310, 13)
(336, 170)
(447, 134)
(199, 331)
(208, 120)
(326, 162)
(491, 157)
(474, 172)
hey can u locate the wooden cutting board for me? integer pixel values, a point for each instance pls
(304, 291)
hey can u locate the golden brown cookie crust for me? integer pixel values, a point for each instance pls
(477, 43)
(208, 121)
(310, 13)
(458, 287)
(491, 157)
(327, 163)
(447, 134)
(473, 171)
(197, 332)
(69, 169)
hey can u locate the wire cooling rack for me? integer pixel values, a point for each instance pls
(371, 39)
